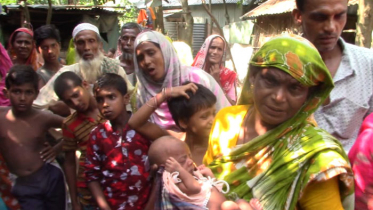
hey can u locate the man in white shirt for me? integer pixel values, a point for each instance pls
(91, 65)
(350, 66)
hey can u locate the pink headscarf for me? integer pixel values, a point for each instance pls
(5, 64)
(227, 76)
(33, 58)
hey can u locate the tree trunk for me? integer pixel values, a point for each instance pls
(158, 23)
(27, 15)
(227, 21)
(49, 15)
(70, 2)
(189, 23)
(364, 24)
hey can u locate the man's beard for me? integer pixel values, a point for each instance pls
(127, 56)
(91, 69)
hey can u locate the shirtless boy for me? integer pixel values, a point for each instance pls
(38, 183)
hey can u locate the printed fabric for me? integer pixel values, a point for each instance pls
(118, 162)
(166, 200)
(176, 75)
(5, 65)
(277, 166)
(227, 77)
(33, 58)
(361, 157)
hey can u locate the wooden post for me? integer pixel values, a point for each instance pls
(49, 15)
(364, 24)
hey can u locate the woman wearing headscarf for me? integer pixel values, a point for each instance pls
(157, 66)
(267, 148)
(21, 48)
(211, 58)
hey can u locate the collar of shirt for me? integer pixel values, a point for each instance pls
(347, 65)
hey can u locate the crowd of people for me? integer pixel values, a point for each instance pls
(137, 129)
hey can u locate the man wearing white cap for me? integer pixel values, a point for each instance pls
(91, 64)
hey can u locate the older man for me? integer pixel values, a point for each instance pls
(92, 64)
(351, 67)
(128, 35)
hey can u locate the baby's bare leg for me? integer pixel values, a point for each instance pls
(216, 199)
(229, 205)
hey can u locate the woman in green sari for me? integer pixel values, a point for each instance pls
(268, 147)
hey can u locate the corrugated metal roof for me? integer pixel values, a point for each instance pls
(272, 7)
(70, 7)
(177, 3)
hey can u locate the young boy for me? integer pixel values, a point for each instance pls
(193, 112)
(48, 42)
(116, 158)
(70, 88)
(38, 183)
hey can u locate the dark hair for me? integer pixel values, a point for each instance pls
(46, 32)
(22, 74)
(111, 80)
(131, 25)
(300, 4)
(182, 108)
(112, 50)
(61, 84)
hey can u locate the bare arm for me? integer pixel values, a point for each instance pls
(69, 167)
(188, 185)
(53, 120)
(139, 120)
(98, 194)
(60, 108)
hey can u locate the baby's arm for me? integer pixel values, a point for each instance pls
(188, 185)
(139, 120)
(205, 171)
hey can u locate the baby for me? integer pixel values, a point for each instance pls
(190, 184)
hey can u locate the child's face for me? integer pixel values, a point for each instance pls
(182, 154)
(201, 122)
(77, 98)
(22, 96)
(111, 102)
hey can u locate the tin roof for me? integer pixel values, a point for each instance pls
(272, 7)
(177, 3)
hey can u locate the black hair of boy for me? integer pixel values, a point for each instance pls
(110, 80)
(112, 50)
(46, 32)
(22, 74)
(182, 108)
(66, 81)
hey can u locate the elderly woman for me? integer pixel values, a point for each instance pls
(157, 66)
(268, 149)
(211, 58)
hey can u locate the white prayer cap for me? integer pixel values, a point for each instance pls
(84, 26)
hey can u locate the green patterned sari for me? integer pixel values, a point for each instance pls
(277, 166)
